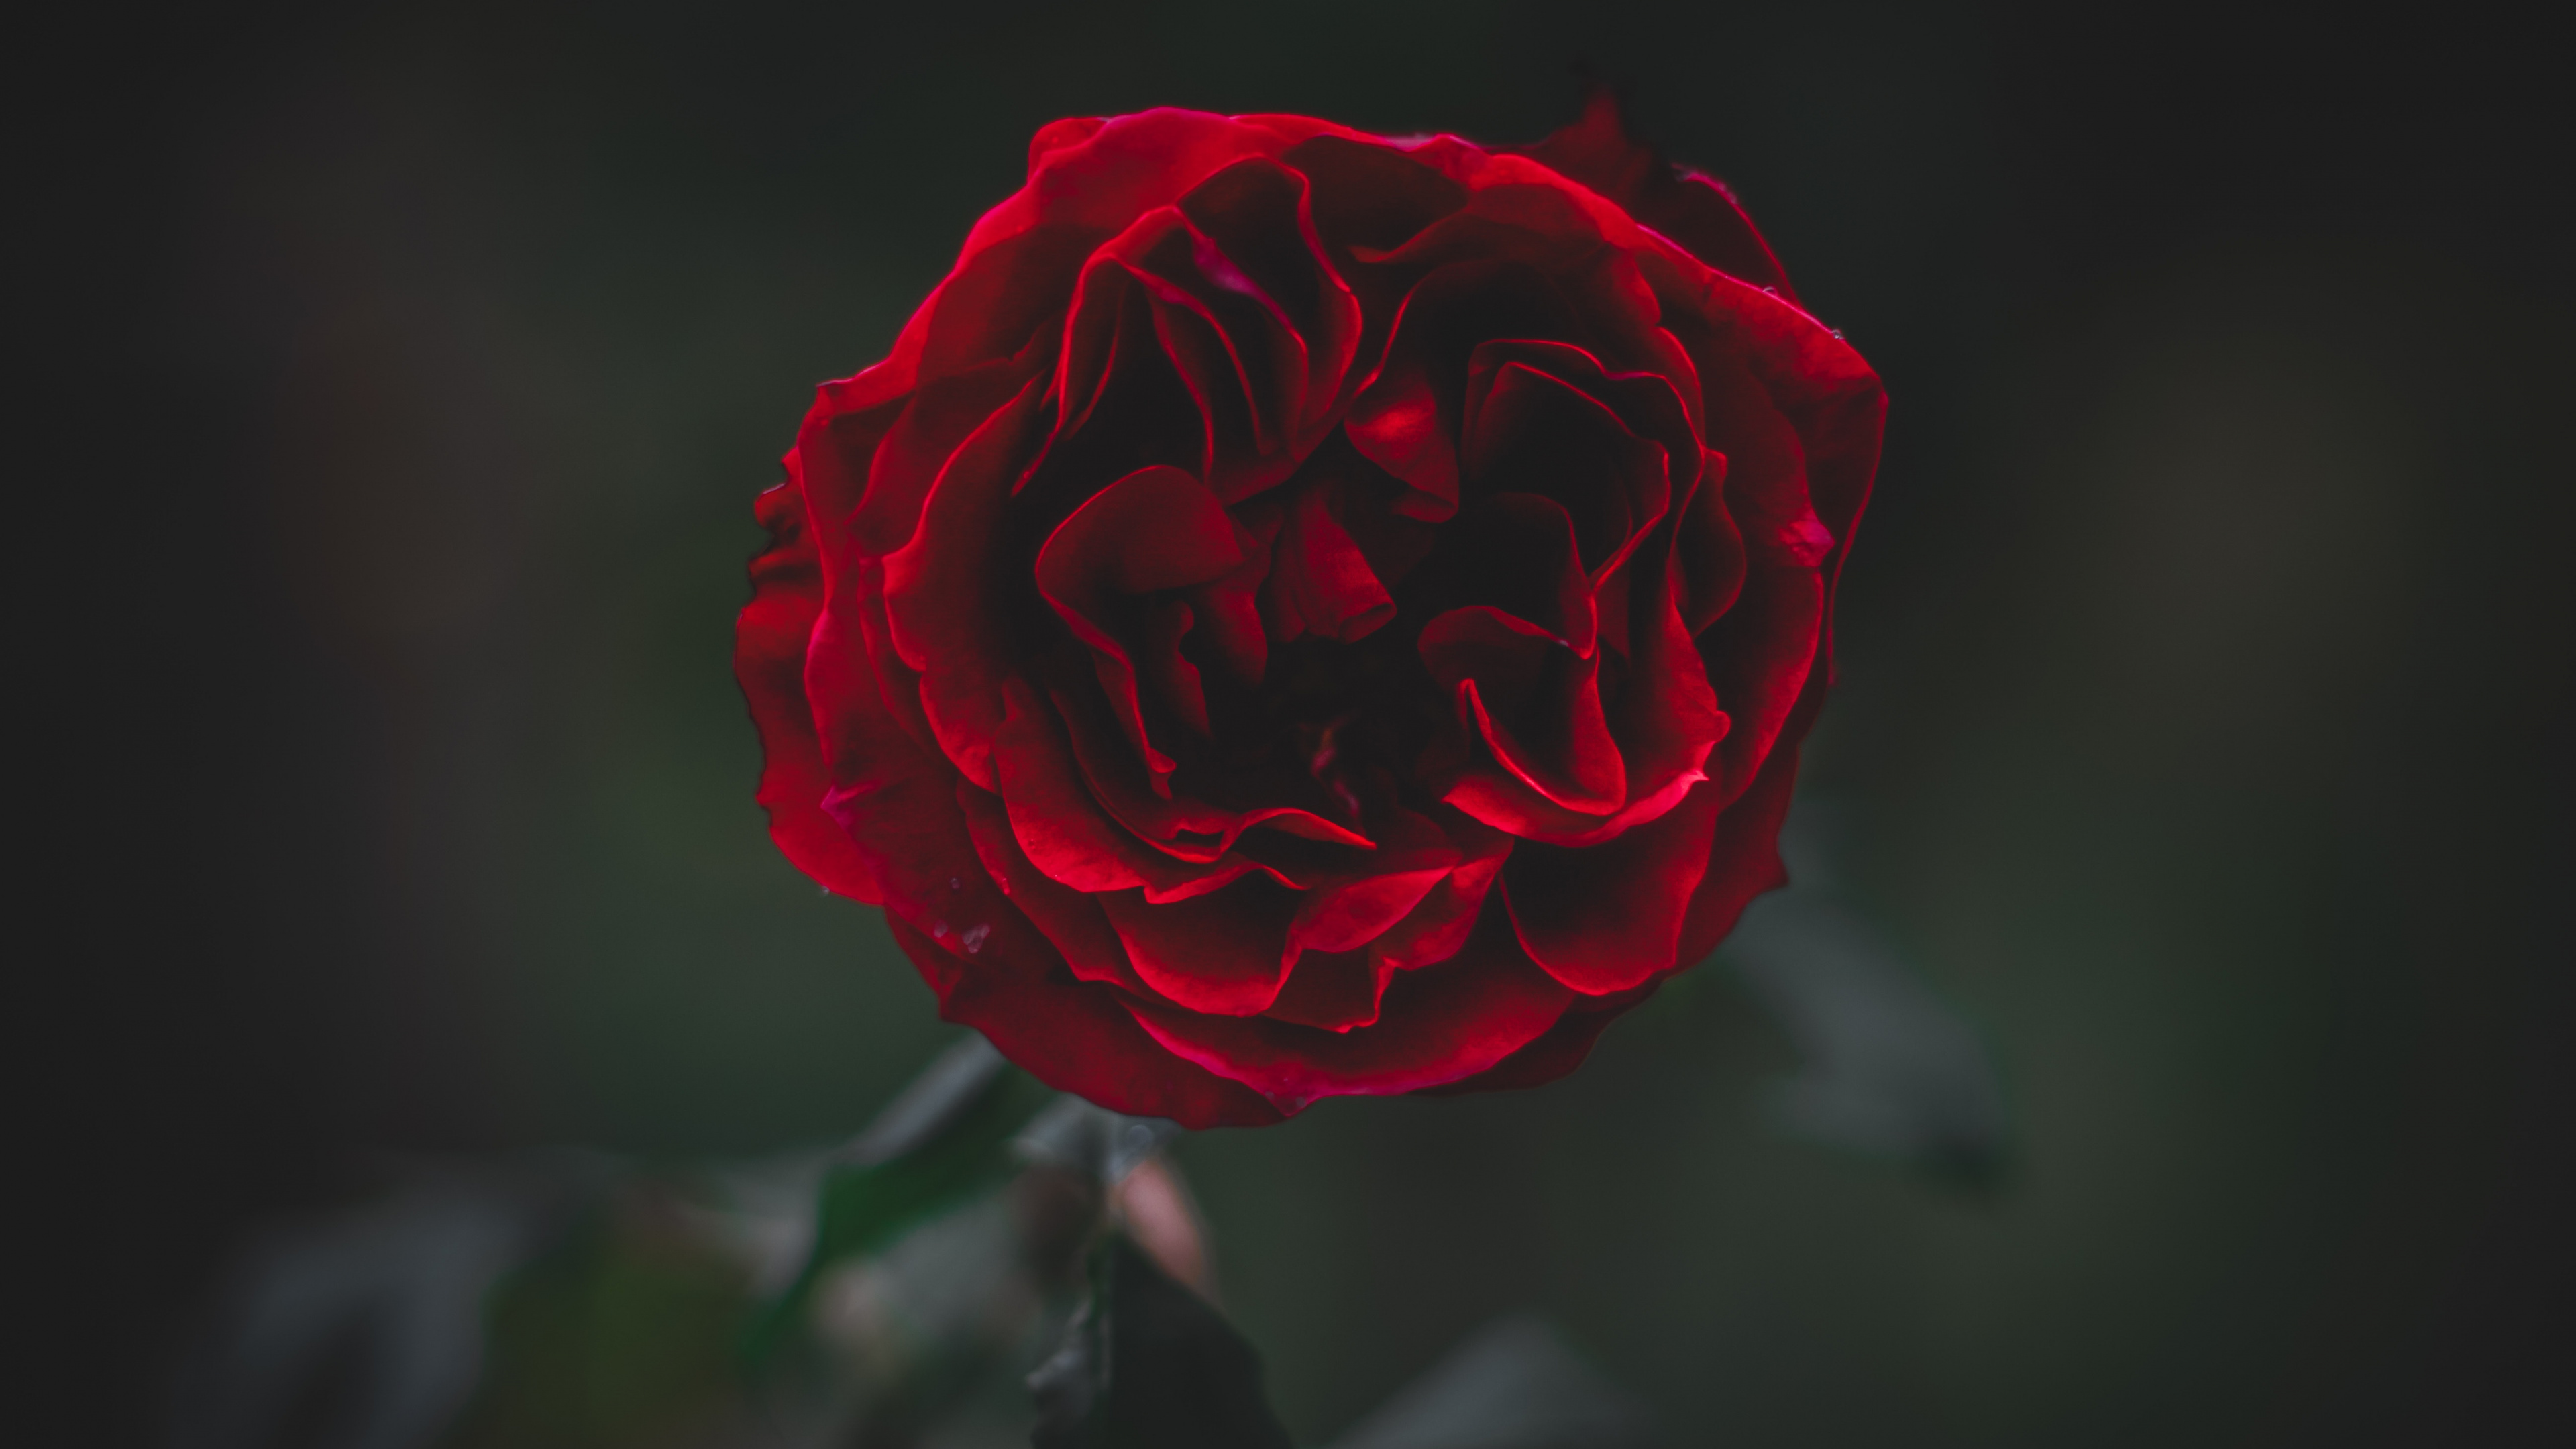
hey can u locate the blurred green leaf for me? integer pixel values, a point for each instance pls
(867, 1202)
(618, 1337)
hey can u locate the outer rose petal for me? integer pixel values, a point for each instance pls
(1744, 861)
(1075, 1038)
(1694, 210)
(1071, 919)
(1435, 1026)
(770, 639)
(1608, 917)
(1743, 857)
(942, 608)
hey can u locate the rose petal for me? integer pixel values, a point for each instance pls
(1155, 530)
(1556, 1052)
(1062, 826)
(1533, 703)
(1071, 920)
(1437, 928)
(771, 637)
(1223, 952)
(1002, 298)
(1181, 824)
(1708, 549)
(1333, 991)
(1434, 1025)
(1077, 1038)
(1743, 858)
(1260, 216)
(1319, 581)
(1529, 432)
(1175, 680)
(1644, 403)
(1760, 656)
(1514, 552)
(1695, 210)
(1367, 194)
(940, 597)
(1120, 403)
(829, 467)
(1608, 917)
(934, 423)
(898, 807)
(1407, 417)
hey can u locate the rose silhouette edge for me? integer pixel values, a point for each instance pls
(1073, 794)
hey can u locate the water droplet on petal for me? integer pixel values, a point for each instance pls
(953, 882)
(975, 938)
(939, 930)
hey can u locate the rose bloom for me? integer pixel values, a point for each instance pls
(1305, 613)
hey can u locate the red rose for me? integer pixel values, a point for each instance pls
(1304, 613)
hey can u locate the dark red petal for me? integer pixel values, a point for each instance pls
(1534, 223)
(1831, 399)
(1223, 952)
(1070, 919)
(1244, 364)
(1060, 823)
(1530, 432)
(1708, 549)
(1743, 858)
(1694, 210)
(1608, 917)
(1350, 915)
(1056, 135)
(1127, 166)
(1155, 530)
(1766, 472)
(1174, 679)
(1558, 1050)
(1406, 418)
(1397, 424)
(829, 467)
(897, 804)
(1333, 990)
(1760, 657)
(1533, 702)
(1107, 312)
(1646, 405)
(1259, 214)
(1003, 297)
(1076, 1038)
(935, 421)
(898, 686)
(1371, 195)
(941, 596)
(1178, 824)
(1319, 581)
(1438, 927)
(1516, 553)
(771, 637)
(1435, 1025)
(1665, 713)
(1228, 612)
(1120, 404)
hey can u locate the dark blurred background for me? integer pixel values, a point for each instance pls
(402, 377)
